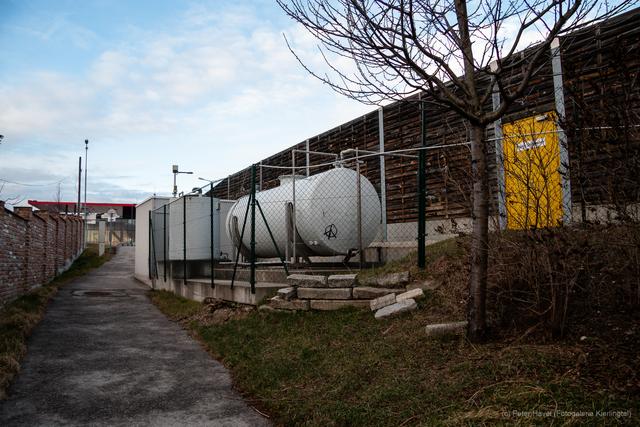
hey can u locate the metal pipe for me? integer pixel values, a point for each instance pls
(320, 153)
(307, 156)
(383, 177)
(150, 244)
(211, 226)
(184, 239)
(86, 167)
(164, 240)
(359, 210)
(293, 213)
(77, 210)
(375, 153)
(252, 246)
(287, 223)
(421, 191)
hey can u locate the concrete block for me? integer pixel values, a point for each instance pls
(403, 306)
(384, 301)
(368, 281)
(368, 292)
(397, 279)
(295, 304)
(412, 294)
(287, 293)
(328, 305)
(324, 293)
(342, 280)
(427, 285)
(307, 281)
(440, 329)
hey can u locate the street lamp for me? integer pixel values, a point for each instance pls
(86, 168)
(175, 174)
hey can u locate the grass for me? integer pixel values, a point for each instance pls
(345, 368)
(18, 318)
(450, 248)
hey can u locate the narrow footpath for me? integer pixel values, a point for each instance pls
(104, 355)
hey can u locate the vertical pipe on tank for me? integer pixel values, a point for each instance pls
(287, 223)
(307, 156)
(359, 209)
(252, 277)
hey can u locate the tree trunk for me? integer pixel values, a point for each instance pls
(479, 244)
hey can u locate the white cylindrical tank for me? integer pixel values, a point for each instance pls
(326, 215)
(198, 225)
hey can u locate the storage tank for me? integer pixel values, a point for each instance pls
(198, 227)
(326, 215)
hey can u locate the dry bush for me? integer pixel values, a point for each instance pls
(549, 278)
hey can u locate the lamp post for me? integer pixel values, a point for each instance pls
(86, 167)
(175, 174)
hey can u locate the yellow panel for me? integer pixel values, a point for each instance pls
(532, 180)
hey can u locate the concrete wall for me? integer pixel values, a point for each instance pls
(34, 247)
(142, 236)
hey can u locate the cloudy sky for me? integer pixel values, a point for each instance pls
(207, 85)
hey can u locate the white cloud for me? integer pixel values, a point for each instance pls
(215, 92)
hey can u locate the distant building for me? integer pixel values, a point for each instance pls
(95, 210)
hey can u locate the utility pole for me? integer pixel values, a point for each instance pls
(79, 184)
(86, 166)
(175, 174)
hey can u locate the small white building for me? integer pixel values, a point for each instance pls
(142, 235)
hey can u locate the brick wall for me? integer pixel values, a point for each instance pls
(34, 247)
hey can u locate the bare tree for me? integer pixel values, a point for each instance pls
(9, 200)
(457, 51)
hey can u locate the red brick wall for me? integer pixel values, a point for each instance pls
(13, 248)
(34, 247)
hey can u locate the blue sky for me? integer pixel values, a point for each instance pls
(210, 86)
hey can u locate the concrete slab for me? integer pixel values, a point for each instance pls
(105, 356)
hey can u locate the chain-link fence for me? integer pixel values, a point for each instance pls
(357, 209)
(348, 211)
(117, 232)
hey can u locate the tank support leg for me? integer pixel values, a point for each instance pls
(235, 264)
(275, 245)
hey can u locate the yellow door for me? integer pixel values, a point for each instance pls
(531, 170)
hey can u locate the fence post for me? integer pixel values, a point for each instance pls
(293, 212)
(558, 88)
(164, 241)
(497, 134)
(383, 177)
(184, 240)
(150, 242)
(211, 225)
(252, 277)
(421, 190)
(359, 211)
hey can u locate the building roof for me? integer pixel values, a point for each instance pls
(41, 204)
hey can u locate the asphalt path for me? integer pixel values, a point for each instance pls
(104, 355)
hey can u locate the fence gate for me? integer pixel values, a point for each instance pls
(532, 178)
